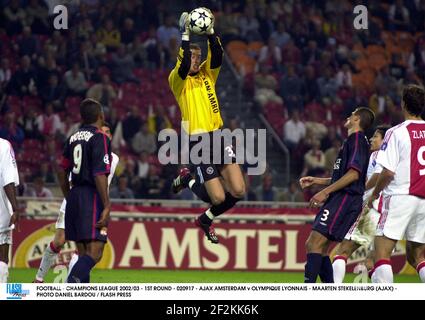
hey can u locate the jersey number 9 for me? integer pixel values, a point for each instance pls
(78, 152)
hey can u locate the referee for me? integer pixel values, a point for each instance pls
(193, 85)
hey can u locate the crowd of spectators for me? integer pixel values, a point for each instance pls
(307, 67)
(115, 52)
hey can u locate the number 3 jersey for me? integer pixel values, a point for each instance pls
(87, 153)
(403, 152)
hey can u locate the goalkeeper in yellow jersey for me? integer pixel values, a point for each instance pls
(193, 85)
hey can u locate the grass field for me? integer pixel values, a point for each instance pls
(171, 276)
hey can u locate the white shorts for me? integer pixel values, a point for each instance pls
(6, 238)
(60, 222)
(363, 231)
(403, 216)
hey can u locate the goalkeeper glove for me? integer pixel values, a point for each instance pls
(210, 30)
(184, 26)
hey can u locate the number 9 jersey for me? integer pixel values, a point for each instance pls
(87, 153)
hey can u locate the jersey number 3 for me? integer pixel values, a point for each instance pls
(78, 152)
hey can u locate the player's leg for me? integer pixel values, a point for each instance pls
(343, 251)
(315, 246)
(382, 271)
(217, 195)
(235, 183)
(50, 255)
(81, 249)
(416, 258)
(370, 259)
(185, 180)
(81, 270)
(4, 261)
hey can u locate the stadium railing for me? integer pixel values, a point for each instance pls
(280, 145)
(181, 210)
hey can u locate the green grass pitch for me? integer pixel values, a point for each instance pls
(176, 276)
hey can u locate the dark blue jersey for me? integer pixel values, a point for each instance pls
(87, 153)
(354, 154)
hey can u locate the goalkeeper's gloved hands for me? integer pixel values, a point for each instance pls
(210, 30)
(184, 25)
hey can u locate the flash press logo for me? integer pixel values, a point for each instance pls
(14, 291)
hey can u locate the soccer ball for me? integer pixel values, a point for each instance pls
(200, 20)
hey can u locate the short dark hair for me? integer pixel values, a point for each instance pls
(195, 46)
(106, 124)
(382, 129)
(90, 110)
(414, 99)
(367, 117)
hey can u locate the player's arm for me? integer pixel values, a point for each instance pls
(349, 177)
(9, 179)
(10, 190)
(382, 182)
(215, 53)
(101, 164)
(63, 181)
(388, 158)
(371, 182)
(102, 188)
(63, 169)
(182, 67)
(306, 182)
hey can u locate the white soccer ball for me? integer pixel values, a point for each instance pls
(200, 21)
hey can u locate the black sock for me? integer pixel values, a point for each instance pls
(200, 190)
(326, 271)
(227, 204)
(312, 267)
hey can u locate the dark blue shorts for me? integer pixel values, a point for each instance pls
(337, 215)
(83, 210)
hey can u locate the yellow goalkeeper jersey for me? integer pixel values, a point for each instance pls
(196, 97)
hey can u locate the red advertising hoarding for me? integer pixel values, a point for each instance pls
(181, 245)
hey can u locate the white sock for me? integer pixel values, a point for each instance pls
(72, 262)
(191, 183)
(421, 270)
(209, 214)
(4, 272)
(383, 272)
(49, 258)
(339, 268)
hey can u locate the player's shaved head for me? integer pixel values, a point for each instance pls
(367, 117)
(90, 111)
(414, 99)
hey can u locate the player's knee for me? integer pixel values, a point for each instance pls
(343, 250)
(310, 246)
(239, 191)
(59, 243)
(217, 199)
